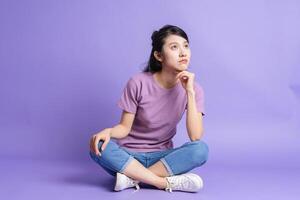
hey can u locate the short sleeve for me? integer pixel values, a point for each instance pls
(199, 98)
(129, 97)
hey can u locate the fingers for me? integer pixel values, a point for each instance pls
(92, 141)
(105, 143)
(96, 141)
(182, 77)
(94, 144)
(91, 144)
(178, 75)
(182, 74)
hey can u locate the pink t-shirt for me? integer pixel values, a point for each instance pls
(157, 112)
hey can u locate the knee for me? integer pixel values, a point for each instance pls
(199, 152)
(104, 153)
(94, 156)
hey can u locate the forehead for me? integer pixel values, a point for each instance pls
(174, 38)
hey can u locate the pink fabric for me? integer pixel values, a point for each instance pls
(157, 112)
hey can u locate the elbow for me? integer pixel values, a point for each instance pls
(127, 131)
(196, 136)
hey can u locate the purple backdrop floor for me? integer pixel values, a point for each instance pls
(62, 180)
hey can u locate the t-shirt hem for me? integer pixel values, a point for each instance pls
(145, 150)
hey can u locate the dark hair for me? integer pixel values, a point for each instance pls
(158, 40)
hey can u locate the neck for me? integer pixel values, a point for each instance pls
(166, 78)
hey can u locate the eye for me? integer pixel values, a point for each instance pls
(174, 47)
(186, 46)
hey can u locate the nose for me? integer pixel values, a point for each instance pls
(182, 53)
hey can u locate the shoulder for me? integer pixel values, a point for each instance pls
(139, 78)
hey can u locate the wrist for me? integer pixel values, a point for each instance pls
(190, 92)
(108, 131)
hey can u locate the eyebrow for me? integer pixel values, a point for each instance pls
(176, 42)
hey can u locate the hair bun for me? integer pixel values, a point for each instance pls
(154, 35)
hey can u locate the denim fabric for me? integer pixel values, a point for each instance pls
(177, 160)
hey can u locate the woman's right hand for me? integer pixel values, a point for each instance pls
(102, 135)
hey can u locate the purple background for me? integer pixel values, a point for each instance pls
(63, 66)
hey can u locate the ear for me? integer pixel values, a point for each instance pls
(158, 56)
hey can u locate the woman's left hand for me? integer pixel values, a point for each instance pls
(187, 80)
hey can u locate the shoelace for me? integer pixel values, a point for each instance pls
(168, 188)
(180, 183)
(183, 183)
(135, 183)
(136, 186)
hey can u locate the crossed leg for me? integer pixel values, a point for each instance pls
(137, 171)
(156, 174)
(182, 159)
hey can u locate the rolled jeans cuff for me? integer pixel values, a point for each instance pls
(127, 162)
(167, 166)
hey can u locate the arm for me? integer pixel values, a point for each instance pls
(122, 129)
(193, 118)
(119, 131)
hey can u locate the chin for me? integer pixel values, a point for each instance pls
(181, 69)
(178, 70)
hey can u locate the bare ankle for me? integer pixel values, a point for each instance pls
(161, 183)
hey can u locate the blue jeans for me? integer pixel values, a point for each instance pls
(178, 160)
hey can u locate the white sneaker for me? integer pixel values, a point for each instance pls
(124, 182)
(188, 182)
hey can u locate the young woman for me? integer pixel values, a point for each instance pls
(153, 102)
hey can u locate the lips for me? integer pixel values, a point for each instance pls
(183, 61)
